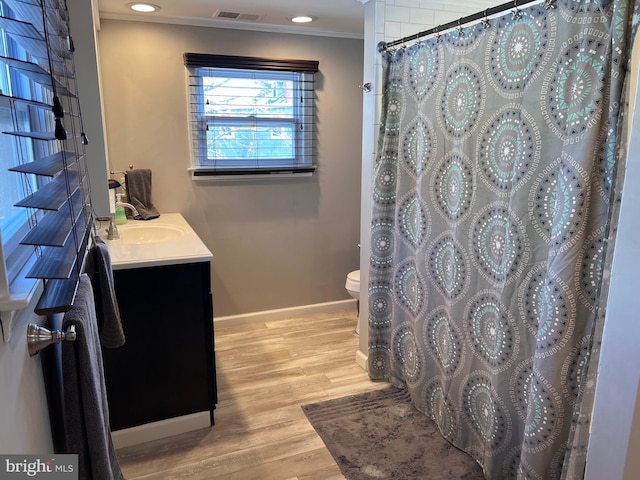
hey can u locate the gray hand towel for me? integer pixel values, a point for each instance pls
(98, 267)
(138, 183)
(86, 412)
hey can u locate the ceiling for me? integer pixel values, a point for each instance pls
(340, 18)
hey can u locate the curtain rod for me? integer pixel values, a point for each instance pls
(383, 46)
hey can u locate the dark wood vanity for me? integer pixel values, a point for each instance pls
(166, 368)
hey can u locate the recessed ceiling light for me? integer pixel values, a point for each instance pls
(143, 7)
(302, 19)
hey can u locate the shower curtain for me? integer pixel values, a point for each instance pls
(494, 186)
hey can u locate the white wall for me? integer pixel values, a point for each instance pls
(83, 27)
(24, 418)
(614, 444)
(373, 33)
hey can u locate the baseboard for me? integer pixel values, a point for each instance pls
(362, 360)
(162, 429)
(284, 313)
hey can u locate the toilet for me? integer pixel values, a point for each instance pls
(353, 284)
(353, 287)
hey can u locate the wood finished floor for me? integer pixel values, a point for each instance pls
(266, 371)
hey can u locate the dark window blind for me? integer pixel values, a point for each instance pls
(251, 115)
(60, 211)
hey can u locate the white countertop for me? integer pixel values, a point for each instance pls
(137, 246)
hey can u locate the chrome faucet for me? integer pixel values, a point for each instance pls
(134, 212)
(112, 230)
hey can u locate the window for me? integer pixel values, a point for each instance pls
(14, 221)
(16, 113)
(251, 115)
(42, 144)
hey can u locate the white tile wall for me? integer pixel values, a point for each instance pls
(407, 3)
(394, 13)
(408, 17)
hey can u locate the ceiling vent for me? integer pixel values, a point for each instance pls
(244, 17)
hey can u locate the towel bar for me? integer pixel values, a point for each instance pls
(39, 337)
(113, 172)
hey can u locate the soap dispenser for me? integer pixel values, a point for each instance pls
(121, 216)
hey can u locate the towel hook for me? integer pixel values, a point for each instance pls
(40, 337)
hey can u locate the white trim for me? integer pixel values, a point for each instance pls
(95, 9)
(4, 278)
(21, 292)
(210, 81)
(240, 177)
(162, 429)
(372, 101)
(362, 360)
(283, 313)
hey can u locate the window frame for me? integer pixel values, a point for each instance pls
(200, 66)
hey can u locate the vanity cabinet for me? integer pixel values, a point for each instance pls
(166, 368)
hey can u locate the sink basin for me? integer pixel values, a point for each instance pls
(149, 233)
(168, 240)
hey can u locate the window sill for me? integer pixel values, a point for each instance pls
(212, 174)
(21, 292)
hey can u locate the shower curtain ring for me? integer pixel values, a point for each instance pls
(515, 13)
(459, 28)
(485, 20)
(438, 36)
(549, 4)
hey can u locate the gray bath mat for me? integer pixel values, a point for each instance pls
(381, 435)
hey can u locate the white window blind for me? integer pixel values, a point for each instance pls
(251, 115)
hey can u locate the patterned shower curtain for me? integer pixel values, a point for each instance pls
(494, 184)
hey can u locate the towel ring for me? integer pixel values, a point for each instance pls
(40, 337)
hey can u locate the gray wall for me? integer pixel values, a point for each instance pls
(276, 243)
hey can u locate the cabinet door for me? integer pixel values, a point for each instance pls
(166, 367)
